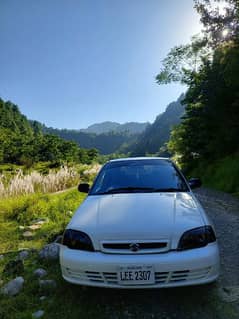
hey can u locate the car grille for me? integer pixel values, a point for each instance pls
(135, 247)
(161, 278)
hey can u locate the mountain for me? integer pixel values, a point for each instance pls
(107, 127)
(100, 128)
(23, 141)
(132, 137)
(158, 133)
(105, 143)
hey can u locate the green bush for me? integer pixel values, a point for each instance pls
(222, 174)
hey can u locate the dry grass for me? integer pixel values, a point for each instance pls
(33, 182)
(54, 181)
(92, 171)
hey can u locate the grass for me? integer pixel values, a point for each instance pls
(23, 210)
(222, 174)
(72, 301)
(19, 182)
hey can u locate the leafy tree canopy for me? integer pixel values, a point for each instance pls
(23, 142)
(209, 66)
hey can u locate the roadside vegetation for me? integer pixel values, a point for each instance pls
(53, 181)
(222, 174)
(18, 213)
(206, 140)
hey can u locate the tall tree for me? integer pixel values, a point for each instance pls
(210, 127)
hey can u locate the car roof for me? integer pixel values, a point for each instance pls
(140, 158)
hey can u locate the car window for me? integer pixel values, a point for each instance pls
(138, 176)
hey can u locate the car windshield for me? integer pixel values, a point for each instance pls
(136, 176)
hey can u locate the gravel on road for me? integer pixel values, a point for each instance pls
(223, 209)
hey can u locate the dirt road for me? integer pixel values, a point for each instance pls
(224, 212)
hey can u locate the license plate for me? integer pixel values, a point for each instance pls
(136, 275)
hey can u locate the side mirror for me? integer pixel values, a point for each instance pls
(84, 188)
(195, 183)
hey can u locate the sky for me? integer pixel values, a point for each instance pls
(70, 64)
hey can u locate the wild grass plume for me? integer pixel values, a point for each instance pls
(35, 182)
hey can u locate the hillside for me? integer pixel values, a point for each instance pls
(107, 127)
(132, 137)
(106, 137)
(22, 141)
(105, 143)
(12, 119)
(158, 133)
(28, 141)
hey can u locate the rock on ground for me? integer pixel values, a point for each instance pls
(28, 235)
(35, 226)
(40, 221)
(42, 298)
(50, 252)
(24, 254)
(40, 272)
(229, 294)
(13, 287)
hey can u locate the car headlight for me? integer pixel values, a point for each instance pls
(196, 238)
(75, 239)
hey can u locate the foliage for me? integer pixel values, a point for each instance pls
(24, 209)
(210, 127)
(105, 143)
(221, 174)
(23, 142)
(183, 61)
(220, 20)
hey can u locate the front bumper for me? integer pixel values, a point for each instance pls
(172, 269)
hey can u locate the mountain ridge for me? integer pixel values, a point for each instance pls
(109, 126)
(150, 140)
(132, 138)
(157, 134)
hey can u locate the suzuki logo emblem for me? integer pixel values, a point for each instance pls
(134, 247)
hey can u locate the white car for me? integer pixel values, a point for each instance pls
(140, 227)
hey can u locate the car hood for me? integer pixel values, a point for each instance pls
(138, 216)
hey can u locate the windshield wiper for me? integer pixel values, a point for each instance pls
(129, 189)
(132, 189)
